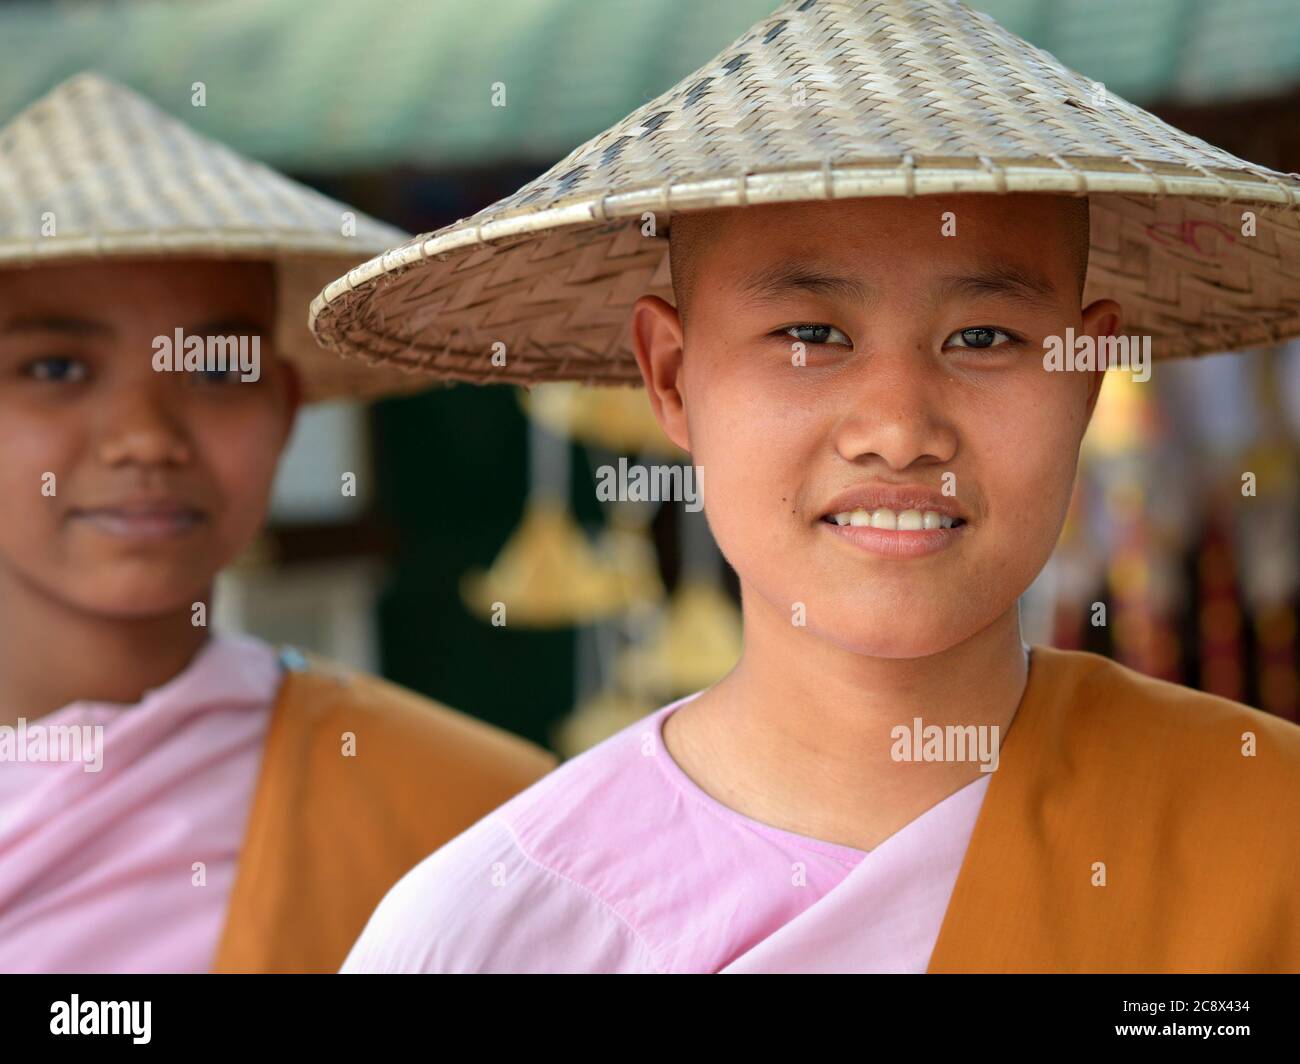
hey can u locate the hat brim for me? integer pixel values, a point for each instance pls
(299, 276)
(556, 286)
(833, 100)
(94, 171)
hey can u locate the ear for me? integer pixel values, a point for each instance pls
(657, 340)
(1102, 318)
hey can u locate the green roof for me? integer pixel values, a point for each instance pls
(342, 84)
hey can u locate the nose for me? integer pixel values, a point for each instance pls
(137, 426)
(895, 410)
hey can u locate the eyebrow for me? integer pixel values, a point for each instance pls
(63, 326)
(772, 282)
(230, 326)
(1009, 282)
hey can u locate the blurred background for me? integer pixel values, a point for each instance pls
(471, 495)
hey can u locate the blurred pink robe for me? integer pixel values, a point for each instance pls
(97, 868)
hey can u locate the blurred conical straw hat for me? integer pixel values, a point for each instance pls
(94, 171)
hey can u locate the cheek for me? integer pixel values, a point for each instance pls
(752, 447)
(33, 445)
(1031, 465)
(29, 449)
(240, 454)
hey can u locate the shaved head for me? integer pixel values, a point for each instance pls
(690, 232)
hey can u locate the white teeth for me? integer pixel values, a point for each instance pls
(883, 517)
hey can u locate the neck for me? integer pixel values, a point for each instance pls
(804, 728)
(53, 653)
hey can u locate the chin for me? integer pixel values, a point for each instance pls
(886, 638)
(141, 600)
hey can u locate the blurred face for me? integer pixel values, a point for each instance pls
(867, 401)
(159, 478)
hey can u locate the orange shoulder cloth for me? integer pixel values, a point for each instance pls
(360, 781)
(1132, 825)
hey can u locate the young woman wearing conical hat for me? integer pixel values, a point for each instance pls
(173, 800)
(870, 263)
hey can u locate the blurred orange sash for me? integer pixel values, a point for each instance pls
(360, 781)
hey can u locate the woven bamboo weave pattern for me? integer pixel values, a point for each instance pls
(831, 99)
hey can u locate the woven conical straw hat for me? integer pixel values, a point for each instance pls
(832, 99)
(121, 179)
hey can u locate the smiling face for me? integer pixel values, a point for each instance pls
(850, 356)
(160, 478)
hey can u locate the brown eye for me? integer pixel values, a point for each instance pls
(66, 370)
(817, 334)
(214, 376)
(978, 336)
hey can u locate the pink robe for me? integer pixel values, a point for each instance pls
(97, 867)
(618, 862)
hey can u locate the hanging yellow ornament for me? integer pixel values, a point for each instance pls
(596, 719)
(547, 575)
(618, 419)
(697, 643)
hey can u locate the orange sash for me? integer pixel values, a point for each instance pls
(329, 834)
(1123, 831)
(1107, 770)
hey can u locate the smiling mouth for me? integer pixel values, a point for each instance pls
(142, 522)
(895, 521)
